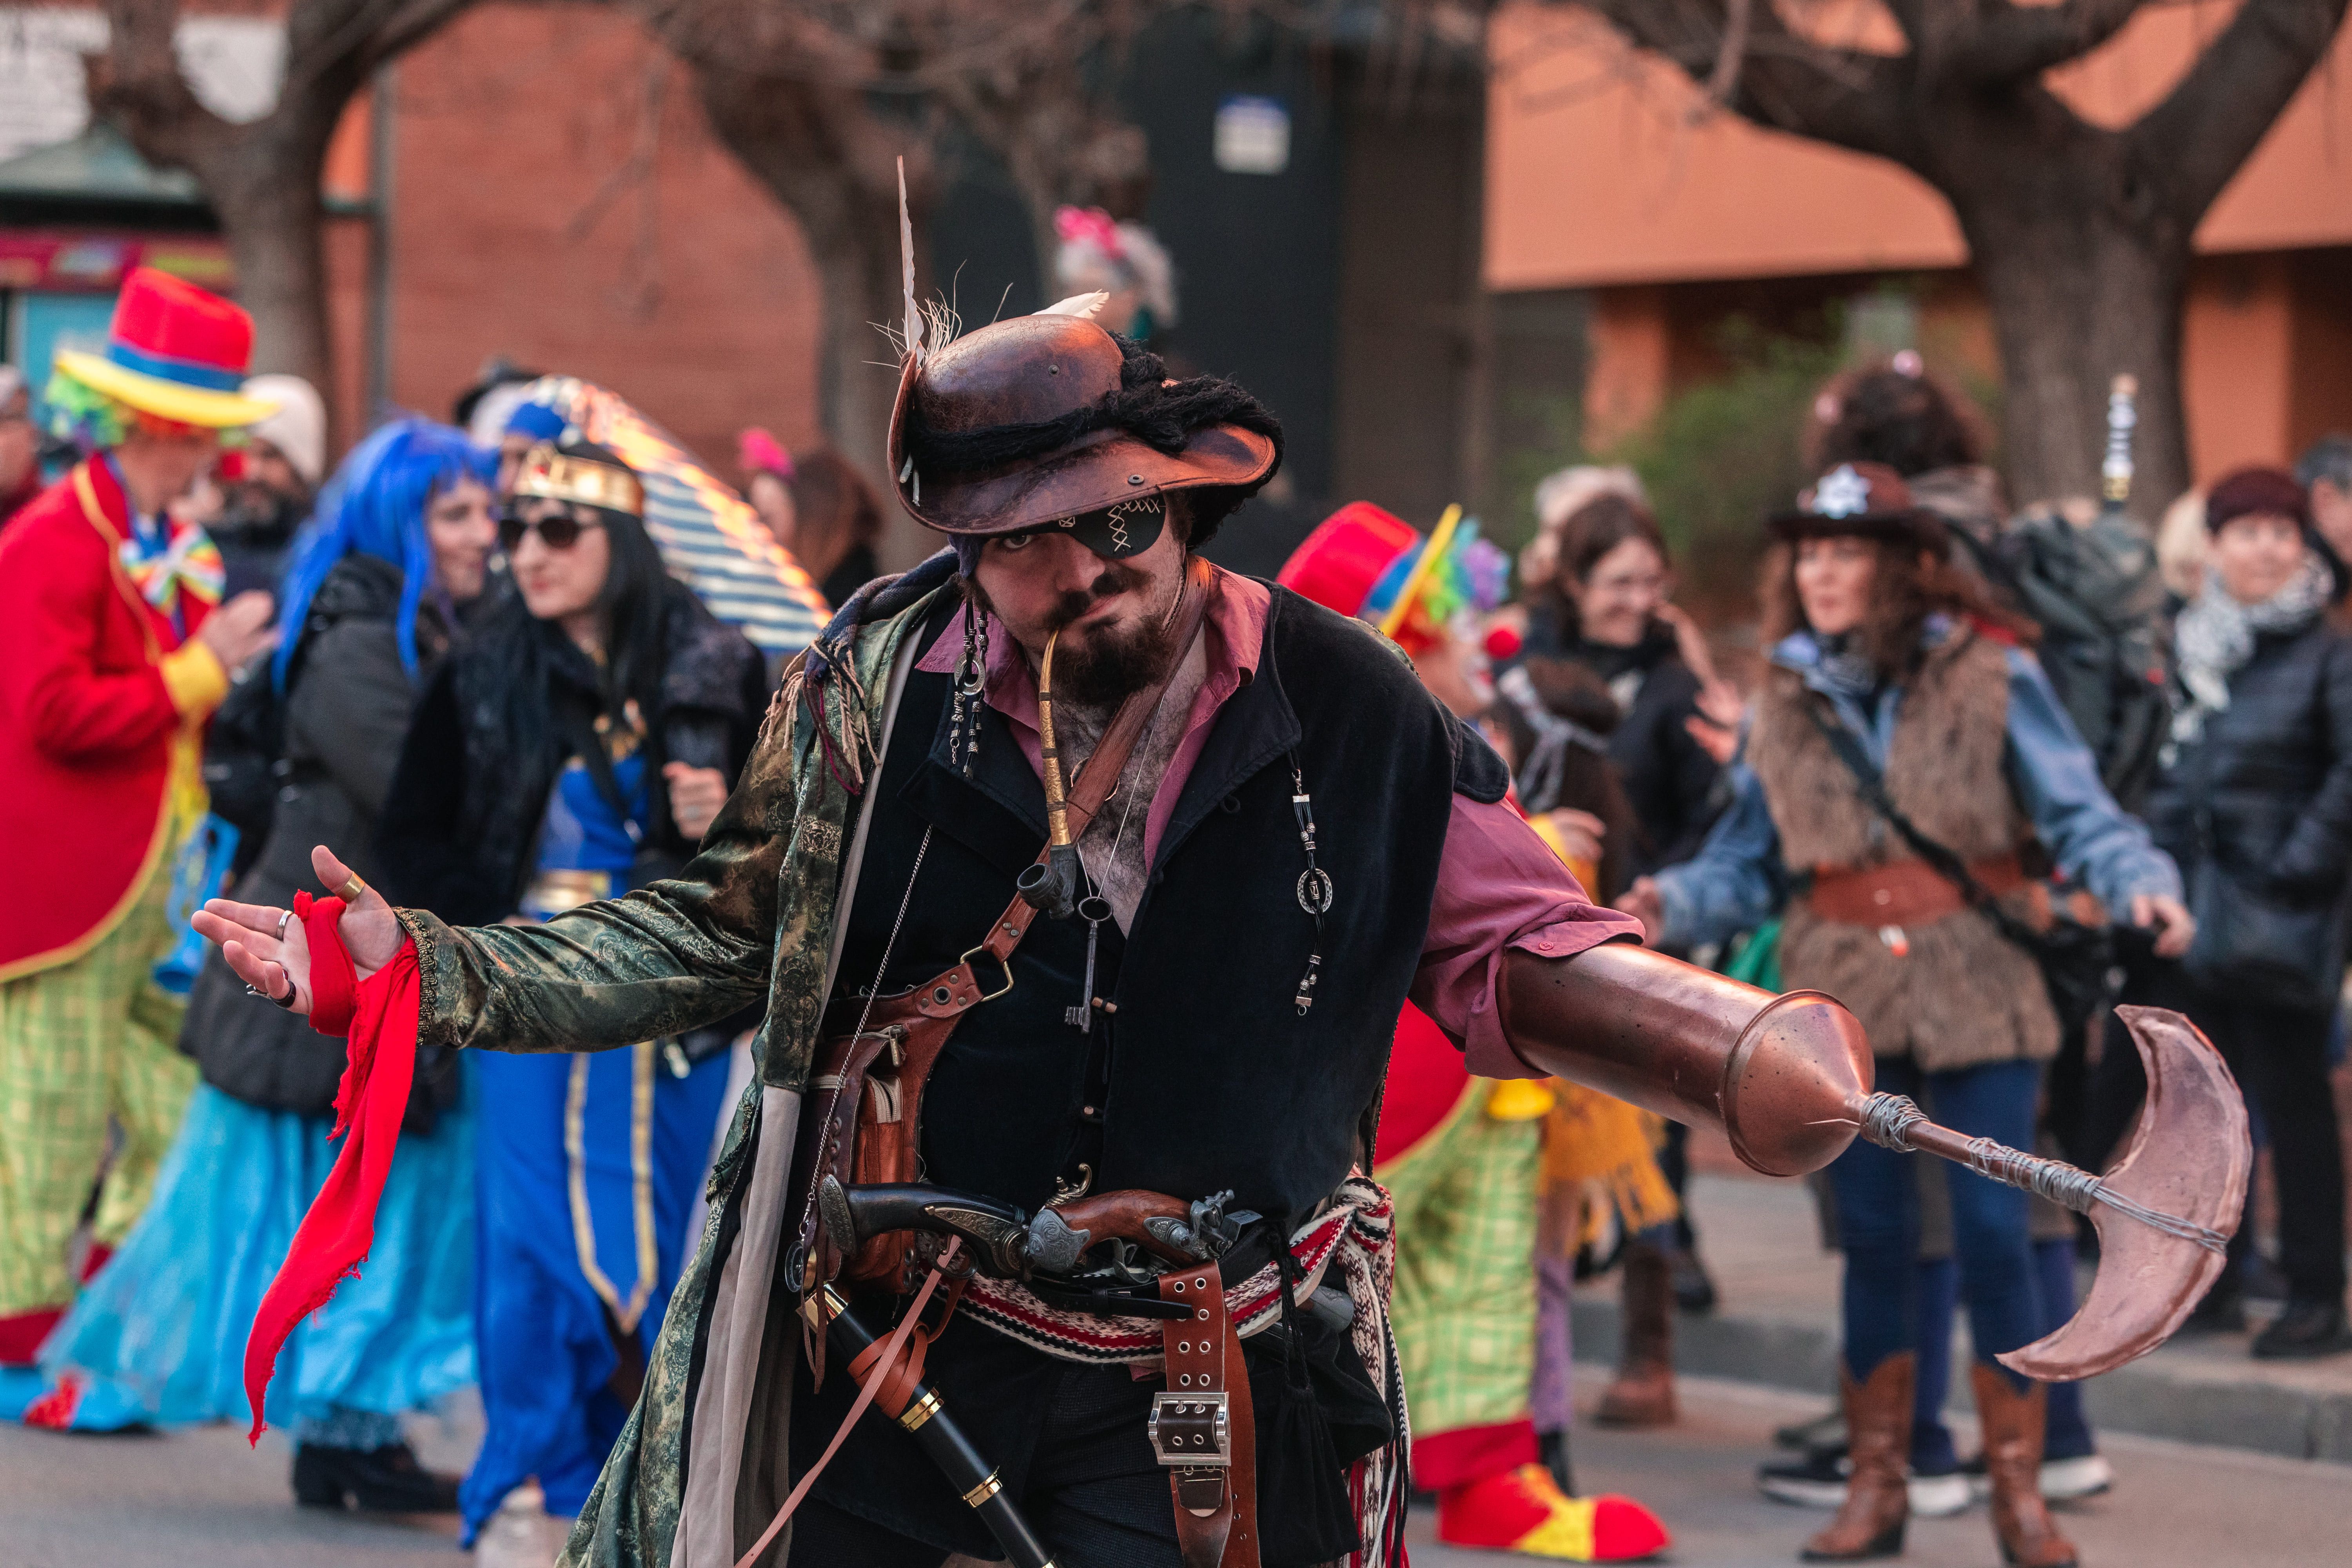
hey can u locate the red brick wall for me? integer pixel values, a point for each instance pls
(558, 198)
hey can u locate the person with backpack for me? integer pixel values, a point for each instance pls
(372, 606)
(1905, 753)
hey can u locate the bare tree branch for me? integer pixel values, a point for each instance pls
(1848, 96)
(2014, 43)
(2196, 138)
(262, 178)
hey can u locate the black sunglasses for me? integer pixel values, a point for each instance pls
(561, 532)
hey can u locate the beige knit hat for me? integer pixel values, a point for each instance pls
(298, 428)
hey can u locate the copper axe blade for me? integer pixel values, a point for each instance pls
(2164, 1212)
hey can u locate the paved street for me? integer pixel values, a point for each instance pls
(199, 1500)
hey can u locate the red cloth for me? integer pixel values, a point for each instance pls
(379, 1019)
(86, 723)
(1426, 1078)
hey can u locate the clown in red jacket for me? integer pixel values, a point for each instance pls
(114, 651)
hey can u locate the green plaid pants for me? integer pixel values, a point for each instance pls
(81, 1045)
(1464, 1302)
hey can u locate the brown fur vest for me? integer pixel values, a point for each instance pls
(1963, 994)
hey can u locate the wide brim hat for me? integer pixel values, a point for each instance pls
(1868, 500)
(175, 350)
(1032, 371)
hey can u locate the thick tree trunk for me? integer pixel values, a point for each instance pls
(2085, 267)
(2076, 301)
(266, 190)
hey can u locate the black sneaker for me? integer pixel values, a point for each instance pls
(1826, 1430)
(2305, 1331)
(379, 1480)
(1816, 1480)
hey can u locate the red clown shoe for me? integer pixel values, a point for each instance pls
(1524, 1510)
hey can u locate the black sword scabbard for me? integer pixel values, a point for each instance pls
(943, 1442)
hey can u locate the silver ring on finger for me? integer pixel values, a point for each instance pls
(284, 916)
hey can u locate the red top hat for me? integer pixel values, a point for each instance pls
(1344, 558)
(174, 351)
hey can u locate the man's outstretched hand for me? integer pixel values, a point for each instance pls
(247, 936)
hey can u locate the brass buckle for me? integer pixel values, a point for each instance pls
(1006, 963)
(1192, 1430)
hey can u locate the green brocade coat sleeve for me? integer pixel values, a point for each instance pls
(670, 957)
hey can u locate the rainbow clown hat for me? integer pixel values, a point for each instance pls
(1372, 564)
(174, 352)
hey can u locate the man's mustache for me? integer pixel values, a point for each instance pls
(1113, 579)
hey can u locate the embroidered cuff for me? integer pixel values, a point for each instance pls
(194, 677)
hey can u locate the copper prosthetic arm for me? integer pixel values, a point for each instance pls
(1787, 1077)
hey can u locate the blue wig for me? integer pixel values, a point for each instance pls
(375, 505)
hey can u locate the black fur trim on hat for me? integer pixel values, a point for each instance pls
(1162, 414)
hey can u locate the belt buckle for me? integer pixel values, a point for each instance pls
(1192, 1430)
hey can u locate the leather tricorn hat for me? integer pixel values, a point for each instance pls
(1032, 420)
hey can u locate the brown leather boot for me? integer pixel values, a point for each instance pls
(2013, 1444)
(1643, 1394)
(1878, 1446)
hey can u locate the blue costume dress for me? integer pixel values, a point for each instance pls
(158, 1337)
(589, 1169)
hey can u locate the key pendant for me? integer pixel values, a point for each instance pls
(1094, 910)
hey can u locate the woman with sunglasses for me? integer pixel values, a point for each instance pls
(578, 747)
(398, 549)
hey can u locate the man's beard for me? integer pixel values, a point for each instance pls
(259, 515)
(1112, 661)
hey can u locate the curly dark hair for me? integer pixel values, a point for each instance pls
(1913, 423)
(1592, 531)
(1912, 584)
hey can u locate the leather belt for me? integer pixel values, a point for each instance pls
(1202, 1424)
(1906, 892)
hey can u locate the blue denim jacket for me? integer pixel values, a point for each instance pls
(1738, 879)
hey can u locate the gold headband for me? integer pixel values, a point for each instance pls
(548, 475)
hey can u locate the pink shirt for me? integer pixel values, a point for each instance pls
(1498, 886)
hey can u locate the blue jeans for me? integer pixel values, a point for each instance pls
(1878, 1219)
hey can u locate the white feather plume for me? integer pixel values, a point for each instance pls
(1082, 306)
(907, 269)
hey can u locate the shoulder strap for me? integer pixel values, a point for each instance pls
(1940, 858)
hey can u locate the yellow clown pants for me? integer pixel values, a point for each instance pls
(84, 1044)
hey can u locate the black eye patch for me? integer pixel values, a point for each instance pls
(1127, 528)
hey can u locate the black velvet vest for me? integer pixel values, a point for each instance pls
(1202, 1074)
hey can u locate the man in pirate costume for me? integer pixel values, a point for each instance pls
(114, 651)
(1290, 838)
